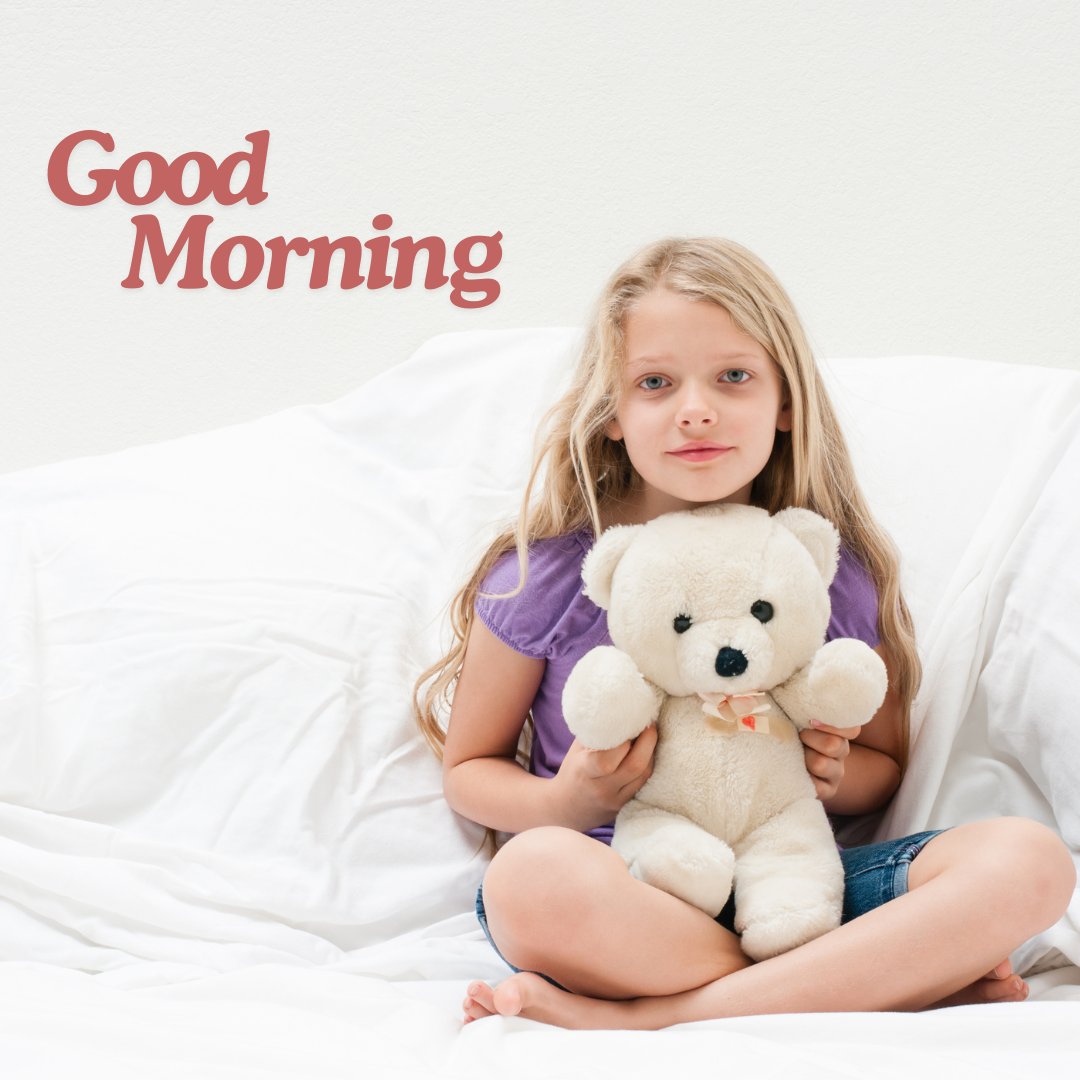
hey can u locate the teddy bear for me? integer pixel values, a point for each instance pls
(718, 618)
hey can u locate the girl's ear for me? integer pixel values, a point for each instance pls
(598, 569)
(784, 419)
(613, 430)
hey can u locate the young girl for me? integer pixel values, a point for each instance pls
(697, 385)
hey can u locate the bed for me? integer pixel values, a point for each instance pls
(224, 850)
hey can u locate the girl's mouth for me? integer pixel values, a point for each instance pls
(702, 451)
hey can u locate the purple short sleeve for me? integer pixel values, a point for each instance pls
(514, 620)
(854, 602)
(549, 617)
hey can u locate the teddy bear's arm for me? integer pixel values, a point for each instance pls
(607, 701)
(843, 686)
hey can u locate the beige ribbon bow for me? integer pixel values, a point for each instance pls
(738, 710)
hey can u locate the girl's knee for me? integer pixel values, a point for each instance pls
(541, 885)
(1045, 861)
(1019, 860)
(550, 865)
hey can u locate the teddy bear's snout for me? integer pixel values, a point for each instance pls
(730, 662)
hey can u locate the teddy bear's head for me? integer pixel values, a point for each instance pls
(721, 599)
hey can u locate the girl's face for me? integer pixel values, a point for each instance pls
(700, 404)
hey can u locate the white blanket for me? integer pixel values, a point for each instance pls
(215, 811)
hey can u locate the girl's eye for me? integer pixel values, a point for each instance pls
(736, 375)
(652, 382)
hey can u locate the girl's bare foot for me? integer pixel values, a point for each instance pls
(998, 985)
(479, 1002)
(529, 996)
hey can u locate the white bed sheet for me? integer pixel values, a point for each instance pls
(223, 847)
(313, 1024)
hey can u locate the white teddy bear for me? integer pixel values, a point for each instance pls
(718, 616)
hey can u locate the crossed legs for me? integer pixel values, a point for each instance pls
(562, 903)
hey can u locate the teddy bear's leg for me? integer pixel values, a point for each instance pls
(672, 853)
(789, 881)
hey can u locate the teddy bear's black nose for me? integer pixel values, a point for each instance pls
(730, 662)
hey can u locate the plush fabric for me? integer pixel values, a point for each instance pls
(718, 618)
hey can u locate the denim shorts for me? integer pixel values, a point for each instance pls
(874, 874)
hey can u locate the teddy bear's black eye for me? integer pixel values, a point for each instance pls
(681, 624)
(762, 611)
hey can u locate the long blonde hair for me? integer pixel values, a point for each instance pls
(587, 472)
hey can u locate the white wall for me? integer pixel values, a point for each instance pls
(908, 169)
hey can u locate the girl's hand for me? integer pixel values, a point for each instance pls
(592, 786)
(826, 749)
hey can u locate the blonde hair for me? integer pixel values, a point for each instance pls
(587, 472)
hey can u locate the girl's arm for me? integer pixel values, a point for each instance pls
(857, 770)
(481, 776)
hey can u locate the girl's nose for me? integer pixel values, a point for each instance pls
(695, 409)
(700, 416)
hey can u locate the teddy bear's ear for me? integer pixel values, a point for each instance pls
(599, 566)
(817, 535)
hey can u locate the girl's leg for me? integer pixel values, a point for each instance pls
(560, 902)
(976, 893)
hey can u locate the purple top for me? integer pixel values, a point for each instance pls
(552, 619)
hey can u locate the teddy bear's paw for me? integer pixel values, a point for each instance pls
(607, 701)
(847, 681)
(783, 930)
(698, 869)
